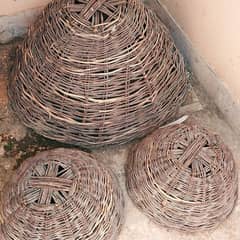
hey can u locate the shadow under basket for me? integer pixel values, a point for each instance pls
(62, 194)
(95, 73)
(183, 177)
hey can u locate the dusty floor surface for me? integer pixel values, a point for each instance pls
(17, 143)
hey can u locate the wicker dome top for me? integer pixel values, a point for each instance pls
(62, 194)
(183, 177)
(94, 73)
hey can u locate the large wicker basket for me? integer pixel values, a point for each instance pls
(183, 177)
(62, 194)
(93, 73)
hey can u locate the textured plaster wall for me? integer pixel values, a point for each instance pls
(213, 27)
(16, 16)
(10, 7)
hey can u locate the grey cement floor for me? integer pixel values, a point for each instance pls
(136, 225)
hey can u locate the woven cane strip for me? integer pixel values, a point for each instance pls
(183, 177)
(62, 194)
(93, 73)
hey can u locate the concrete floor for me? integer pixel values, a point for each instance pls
(136, 226)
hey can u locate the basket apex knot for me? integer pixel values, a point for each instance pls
(91, 8)
(192, 150)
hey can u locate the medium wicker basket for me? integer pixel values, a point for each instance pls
(62, 194)
(183, 177)
(94, 73)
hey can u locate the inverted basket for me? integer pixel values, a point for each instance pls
(94, 73)
(183, 177)
(62, 194)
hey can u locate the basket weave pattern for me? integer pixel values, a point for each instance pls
(183, 177)
(93, 73)
(62, 194)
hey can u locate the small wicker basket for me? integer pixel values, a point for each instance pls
(62, 194)
(95, 73)
(183, 177)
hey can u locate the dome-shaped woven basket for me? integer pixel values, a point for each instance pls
(94, 73)
(62, 194)
(183, 177)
